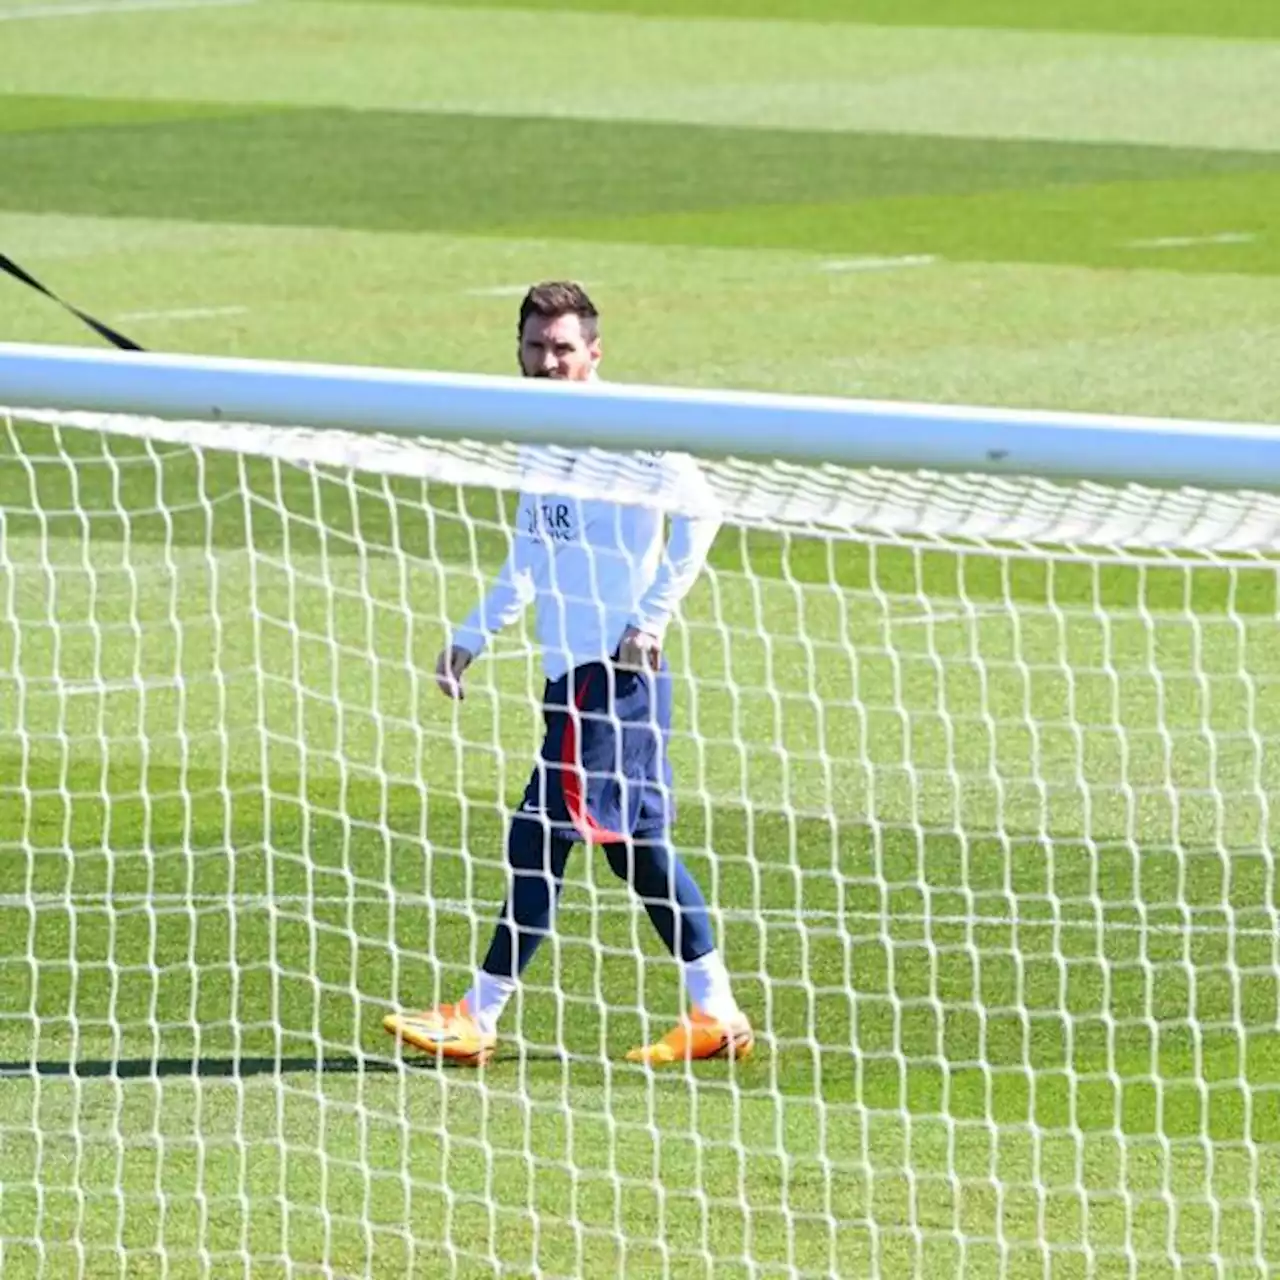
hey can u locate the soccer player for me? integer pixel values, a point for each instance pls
(604, 583)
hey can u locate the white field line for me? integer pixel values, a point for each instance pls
(1188, 242)
(607, 901)
(499, 291)
(880, 264)
(959, 615)
(81, 688)
(185, 313)
(97, 8)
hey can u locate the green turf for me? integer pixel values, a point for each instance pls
(1150, 340)
(32, 113)
(1200, 93)
(966, 198)
(996, 888)
(1240, 18)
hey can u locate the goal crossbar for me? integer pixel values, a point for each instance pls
(750, 425)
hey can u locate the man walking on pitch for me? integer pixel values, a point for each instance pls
(604, 587)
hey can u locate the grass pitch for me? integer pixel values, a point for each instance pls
(997, 888)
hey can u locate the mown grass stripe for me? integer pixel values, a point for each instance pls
(870, 195)
(1243, 18)
(109, 8)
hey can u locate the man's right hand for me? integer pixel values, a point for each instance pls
(450, 665)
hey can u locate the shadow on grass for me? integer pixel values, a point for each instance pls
(242, 1067)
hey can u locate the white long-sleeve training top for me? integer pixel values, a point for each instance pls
(594, 565)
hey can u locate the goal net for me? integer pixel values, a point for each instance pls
(978, 774)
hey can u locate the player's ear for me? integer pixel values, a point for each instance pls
(595, 351)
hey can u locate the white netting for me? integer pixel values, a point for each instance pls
(977, 775)
(1132, 518)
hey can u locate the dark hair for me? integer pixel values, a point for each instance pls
(555, 298)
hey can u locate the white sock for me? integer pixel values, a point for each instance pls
(707, 981)
(487, 999)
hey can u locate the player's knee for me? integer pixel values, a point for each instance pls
(532, 845)
(644, 865)
(620, 859)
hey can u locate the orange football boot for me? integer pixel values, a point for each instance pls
(446, 1032)
(698, 1037)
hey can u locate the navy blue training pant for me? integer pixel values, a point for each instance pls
(602, 777)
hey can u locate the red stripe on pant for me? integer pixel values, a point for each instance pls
(571, 778)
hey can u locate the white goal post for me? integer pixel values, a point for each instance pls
(809, 430)
(977, 758)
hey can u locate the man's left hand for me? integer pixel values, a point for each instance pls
(639, 650)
